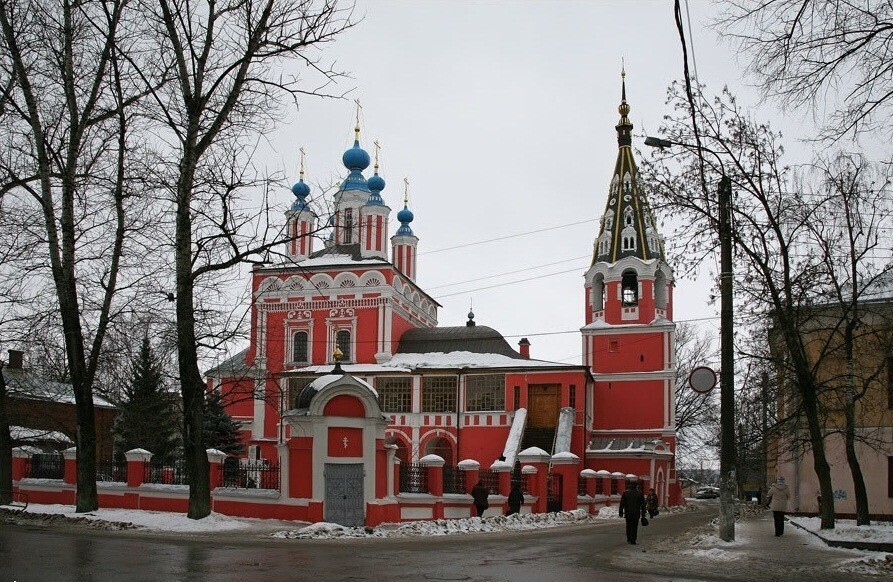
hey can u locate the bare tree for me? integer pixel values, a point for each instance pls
(228, 66)
(697, 419)
(65, 153)
(770, 218)
(833, 55)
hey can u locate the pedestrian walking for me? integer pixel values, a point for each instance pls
(632, 506)
(778, 497)
(516, 500)
(480, 493)
(651, 504)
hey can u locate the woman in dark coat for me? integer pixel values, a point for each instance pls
(479, 494)
(516, 500)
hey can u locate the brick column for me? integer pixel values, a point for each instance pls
(434, 466)
(393, 476)
(533, 485)
(135, 460)
(20, 458)
(539, 460)
(70, 473)
(472, 471)
(568, 466)
(282, 451)
(590, 476)
(215, 458)
(504, 471)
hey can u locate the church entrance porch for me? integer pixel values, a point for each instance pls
(344, 503)
(544, 401)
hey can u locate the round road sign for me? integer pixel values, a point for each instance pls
(702, 379)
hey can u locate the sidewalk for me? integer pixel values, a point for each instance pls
(756, 554)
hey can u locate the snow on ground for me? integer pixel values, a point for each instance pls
(846, 530)
(159, 521)
(442, 527)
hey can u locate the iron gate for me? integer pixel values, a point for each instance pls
(344, 503)
(553, 492)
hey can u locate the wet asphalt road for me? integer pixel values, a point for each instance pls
(588, 552)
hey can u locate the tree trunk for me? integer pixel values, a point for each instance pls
(807, 389)
(191, 386)
(859, 491)
(5, 447)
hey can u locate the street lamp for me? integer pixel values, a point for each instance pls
(727, 455)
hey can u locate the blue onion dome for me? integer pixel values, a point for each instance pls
(376, 183)
(356, 158)
(405, 216)
(301, 191)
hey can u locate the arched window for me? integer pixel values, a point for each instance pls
(342, 340)
(299, 347)
(598, 293)
(660, 290)
(630, 288)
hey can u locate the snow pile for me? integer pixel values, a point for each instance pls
(874, 565)
(847, 530)
(118, 519)
(443, 527)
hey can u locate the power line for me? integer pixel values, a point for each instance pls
(508, 283)
(471, 244)
(508, 273)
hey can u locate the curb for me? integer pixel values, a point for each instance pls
(850, 545)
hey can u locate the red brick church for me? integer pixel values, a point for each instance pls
(352, 314)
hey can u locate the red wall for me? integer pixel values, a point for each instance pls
(634, 404)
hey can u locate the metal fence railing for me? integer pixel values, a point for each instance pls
(111, 471)
(491, 480)
(581, 485)
(413, 478)
(46, 466)
(173, 474)
(599, 486)
(453, 480)
(259, 475)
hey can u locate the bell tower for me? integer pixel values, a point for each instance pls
(628, 339)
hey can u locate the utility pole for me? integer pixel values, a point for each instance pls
(727, 369)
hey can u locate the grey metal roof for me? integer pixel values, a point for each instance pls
(352, 250)
(22, 383)
(478, 339)
(232, 367)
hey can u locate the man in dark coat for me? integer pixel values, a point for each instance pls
(515, 500)
(479, 494)
(632, 506)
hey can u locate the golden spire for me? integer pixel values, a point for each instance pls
(302, 164)
(356, 129)
(405, 191)
(377, 149)
(624, 106)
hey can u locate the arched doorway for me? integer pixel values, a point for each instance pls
(402, 450)
(441, 447)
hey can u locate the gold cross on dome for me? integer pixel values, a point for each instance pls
(302, 162)
(377, 149)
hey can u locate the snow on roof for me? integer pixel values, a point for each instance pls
(516, 434)
(27, 385)
(26, 434)
(465, 360)
(333, 260)
(602, 324)
(328, 380)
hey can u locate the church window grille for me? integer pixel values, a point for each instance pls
(342, 340)
(439, 394)
(630, 289)
(572, 396)
(299, 347)
(348, 225)
(517, 398)
(485, 393)
(295, 385)
(394, 394)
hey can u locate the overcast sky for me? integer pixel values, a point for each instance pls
(502, 116)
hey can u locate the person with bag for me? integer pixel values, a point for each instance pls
(778, 497)
(480, 494)
(632, 507)
(651, 503)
